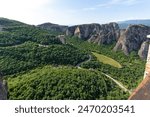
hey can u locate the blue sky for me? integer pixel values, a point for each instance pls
(70, 12)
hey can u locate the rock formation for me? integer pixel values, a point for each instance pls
(107, 34)
(62, 38)
(70, 31)
(3, 89)
(131, 39)
(53, 27)
(134, 39)
(96, 33)
(143, 50)
(1, 28)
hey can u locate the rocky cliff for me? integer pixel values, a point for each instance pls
(3, 89)
(134, 39)
(1, 28)
(96, 33)
(53, 27)
(131, 39)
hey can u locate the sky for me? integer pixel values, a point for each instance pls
(71, 12)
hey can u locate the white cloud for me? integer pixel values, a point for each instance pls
(112, 3)
(118, 2)
(23, 10)
(89, 9)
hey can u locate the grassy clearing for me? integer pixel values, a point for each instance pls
(107, 60)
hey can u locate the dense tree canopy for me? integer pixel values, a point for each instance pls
(11, 36)
(63, 83)
(30, 55)
(38, 66)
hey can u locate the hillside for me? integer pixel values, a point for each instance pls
(39, 64)
(63, 83)
(54, 27)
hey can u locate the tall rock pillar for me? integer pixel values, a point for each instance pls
(147, 68)
(3, 89)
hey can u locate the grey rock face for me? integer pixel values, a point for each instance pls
(96, 33)
(144, 50)
(121, 44)
(1, 28)
(53, 27)
(62, 38)
(70, 31)
(106, 34)
(86, 31)
(134, 39)
(3, 89)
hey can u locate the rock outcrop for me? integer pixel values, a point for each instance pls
(62, 38)
(134, 39)
(3, 89)
(53, 27)
(131, 39)
(107, 34)
(70, 31)
(96, 33)
(1, 28)
(143, 50)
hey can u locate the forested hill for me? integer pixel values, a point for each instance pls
(4, 22)
(44, 64)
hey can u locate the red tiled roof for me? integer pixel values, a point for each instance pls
(143, 90)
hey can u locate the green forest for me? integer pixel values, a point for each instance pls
(37, 66)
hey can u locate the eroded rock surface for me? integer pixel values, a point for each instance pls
(96, 33)
(3, 89)
(134, 39)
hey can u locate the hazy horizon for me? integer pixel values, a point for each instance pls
(71, 12)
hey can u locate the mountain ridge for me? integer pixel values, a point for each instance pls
(126, 23)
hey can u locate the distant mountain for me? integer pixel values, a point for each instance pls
(125, 24)
(53, 27)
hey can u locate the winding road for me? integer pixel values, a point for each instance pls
(115, 81)
(118, 83)
(89, 59)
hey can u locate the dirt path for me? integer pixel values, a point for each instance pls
(89, 59)
(118, 83)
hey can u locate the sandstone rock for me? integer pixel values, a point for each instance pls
(62, 38)
(96, 33)
(85, 31)
(1, 28)
(70, 31)
(107, 34)
(132, 39)
(143, 50)
(3, 89)
(120, 45)
(53, 27)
